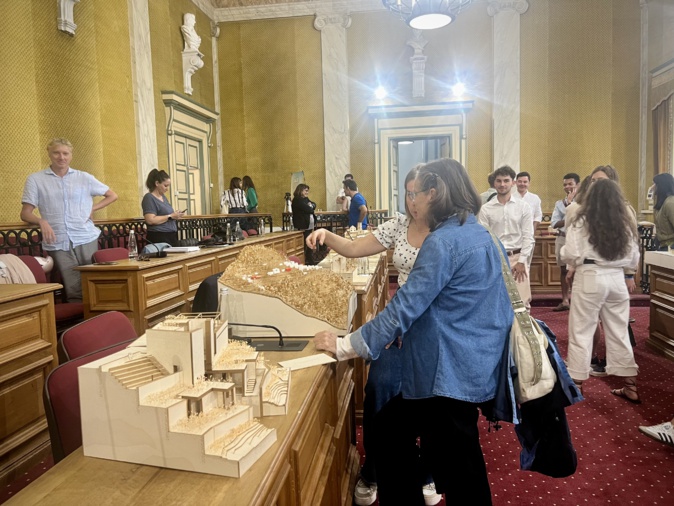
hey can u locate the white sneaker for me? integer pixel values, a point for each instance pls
(365, 494)
(431, 497)
(663, 432)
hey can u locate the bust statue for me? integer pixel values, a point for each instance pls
(192, 39)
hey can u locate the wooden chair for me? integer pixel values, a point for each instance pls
(62, 402)
(96, 333)
(66, 313)
(110, 255)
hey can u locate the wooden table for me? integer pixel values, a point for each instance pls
(661, 328)
(314, 461)
(146, 292)
(27, 355)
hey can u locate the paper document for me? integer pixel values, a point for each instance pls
(182, 249)
(304, 362)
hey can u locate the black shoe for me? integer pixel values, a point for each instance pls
(599, 369)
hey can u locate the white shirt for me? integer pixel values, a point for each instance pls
(559, 214)
(535, 202)
(511, 223)
(578, 248)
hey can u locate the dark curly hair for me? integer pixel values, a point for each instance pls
(607, 217)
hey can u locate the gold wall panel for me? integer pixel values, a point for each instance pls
(272, 107)
(61, 86)
(580, 92)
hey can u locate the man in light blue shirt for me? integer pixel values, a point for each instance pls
(64, 198)
(570, 182)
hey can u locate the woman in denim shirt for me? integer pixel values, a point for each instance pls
(454, 316)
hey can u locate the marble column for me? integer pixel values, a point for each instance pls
(219, 186)
(506, 113)
(335, 101)
(143, 89)
(643, 107)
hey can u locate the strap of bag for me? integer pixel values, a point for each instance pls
(521, 314)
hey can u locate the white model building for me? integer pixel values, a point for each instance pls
(153, 405)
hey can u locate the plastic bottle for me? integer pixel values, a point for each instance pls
(132, 246)
(223, 308)
(260, 229)
(228, 234)
(238, 233)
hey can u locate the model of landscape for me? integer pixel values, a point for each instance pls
(265, 288)
(191, 399)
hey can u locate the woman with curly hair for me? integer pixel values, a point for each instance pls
(600, 242)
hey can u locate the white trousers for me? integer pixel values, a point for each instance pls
(600, 292)
(523, 287)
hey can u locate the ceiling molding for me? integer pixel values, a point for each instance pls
(285, 10)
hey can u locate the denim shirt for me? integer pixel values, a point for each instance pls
(454, 314)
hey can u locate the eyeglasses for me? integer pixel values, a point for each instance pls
(413, 195)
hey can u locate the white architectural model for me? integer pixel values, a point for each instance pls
(153, 405)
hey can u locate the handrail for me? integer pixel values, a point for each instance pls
(26, 239)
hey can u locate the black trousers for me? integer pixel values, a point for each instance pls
(451, 448)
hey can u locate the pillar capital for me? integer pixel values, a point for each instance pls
(323, 20)
(497, 6)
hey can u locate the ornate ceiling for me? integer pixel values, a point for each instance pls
(223, 4)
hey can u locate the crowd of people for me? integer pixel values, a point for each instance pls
(437, 347)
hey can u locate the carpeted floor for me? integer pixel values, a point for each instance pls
(616, 463)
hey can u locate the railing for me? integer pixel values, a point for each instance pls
(26, 239)
(338, 221)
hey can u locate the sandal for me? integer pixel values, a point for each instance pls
(630, 386)
(561, 307)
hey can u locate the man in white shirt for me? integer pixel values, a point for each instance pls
(343, 201)
(511, 221)
(570, 182)
(522, 181)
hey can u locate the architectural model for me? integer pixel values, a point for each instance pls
(189, 400)
(300, 300)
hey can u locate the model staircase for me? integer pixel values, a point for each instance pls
(250, 386)
(138, 372)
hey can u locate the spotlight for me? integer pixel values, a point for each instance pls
(458, 89)
(380, 93)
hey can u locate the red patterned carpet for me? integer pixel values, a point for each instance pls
(616, 463)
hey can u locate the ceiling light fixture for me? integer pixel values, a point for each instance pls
(426, 14)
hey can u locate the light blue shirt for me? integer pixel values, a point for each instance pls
(454, 316)
(559, 214)
(66, 203)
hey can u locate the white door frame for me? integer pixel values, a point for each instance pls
(396, 121)
(193, 120)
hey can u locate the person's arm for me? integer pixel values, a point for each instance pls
(28, 215)
(558, 215)
(361, 247)
(303, 205)
(252, 198)
(527, 228)
(432, 271)
(108, 198)
(571, 251)
(363, 214)
(155, 219)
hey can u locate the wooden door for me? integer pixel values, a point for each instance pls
(188, 179)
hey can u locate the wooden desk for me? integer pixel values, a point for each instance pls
(372, 298)
(314, 461)
(27, 355)
(661, 336)
(146, 292)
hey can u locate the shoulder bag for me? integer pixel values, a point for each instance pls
(534, 376)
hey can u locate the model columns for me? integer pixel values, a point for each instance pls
(506, 112)
(335, 100)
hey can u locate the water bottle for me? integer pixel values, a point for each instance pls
(238, 233)
(133, 246)
(223, 308)
(260, 229)
(228, 234)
